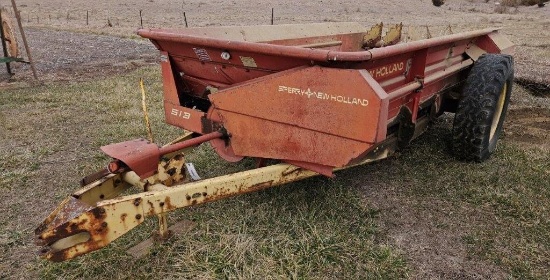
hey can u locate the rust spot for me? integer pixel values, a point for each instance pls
(123, 217)
(224, 193)
(65, 212)
(151, 208)
(146, 186)
(58, 256)
(193, 202)
(137, 201)
(196, 195)
(138, 216)
(204, 194)
(260, 186)
(65, 231)
(91, 221)
(178, 157)
(187, 197)
(161, 204)
(171, 171)
(98, 213)
(292, 171)
(116, 183)
(168, 182)
(101, 196)
(63, 255)
(83, 222)
(169, 205)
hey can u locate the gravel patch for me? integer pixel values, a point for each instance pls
(70, 56)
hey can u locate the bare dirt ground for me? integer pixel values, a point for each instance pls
(66, 49)
(526, 26)
(69, 56)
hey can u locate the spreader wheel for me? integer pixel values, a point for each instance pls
(482, 108)
(9, 34)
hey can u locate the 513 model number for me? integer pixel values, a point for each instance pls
(181, 114)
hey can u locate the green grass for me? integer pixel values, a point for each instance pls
(314, 229)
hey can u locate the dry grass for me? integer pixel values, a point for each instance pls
(420, 214)
(274, 234)
(317, 228)
(499, 208)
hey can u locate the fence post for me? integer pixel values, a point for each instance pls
(185, 19)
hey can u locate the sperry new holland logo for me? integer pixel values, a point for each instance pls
(310, 94)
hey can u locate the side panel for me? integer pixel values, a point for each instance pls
(341, 42)
(496, 43)
(183, 117)
(312, 114)
(174, 113)
(207, 63)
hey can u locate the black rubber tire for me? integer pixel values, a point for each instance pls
(476, 128)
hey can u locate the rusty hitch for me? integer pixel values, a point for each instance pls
(142, 157)
(83, 223)
(96, 215)
(78, 225)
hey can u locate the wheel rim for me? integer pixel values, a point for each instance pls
(498, 111)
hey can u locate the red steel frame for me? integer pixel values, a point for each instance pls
(371, 90)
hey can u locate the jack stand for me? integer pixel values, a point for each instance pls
(164, 233)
